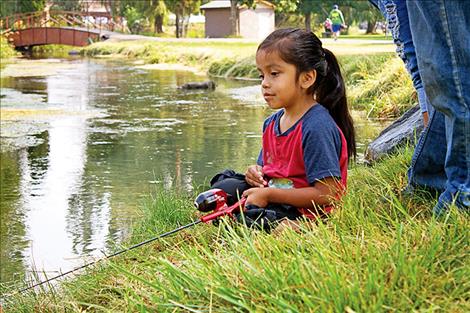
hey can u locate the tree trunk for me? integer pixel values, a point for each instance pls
(177, 24)
(234, 17)
(179, 13)
(158, 24)
(371, 27)
(308, 22)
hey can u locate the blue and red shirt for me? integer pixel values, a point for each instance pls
(312, 149)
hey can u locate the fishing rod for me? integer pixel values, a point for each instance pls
(213, 200)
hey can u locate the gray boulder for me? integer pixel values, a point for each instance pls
(405, 129)
(199, 85)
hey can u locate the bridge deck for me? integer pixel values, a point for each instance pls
(57, 27)
(53, 35)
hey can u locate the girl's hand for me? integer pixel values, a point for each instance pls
(257, 196)
(254, 176)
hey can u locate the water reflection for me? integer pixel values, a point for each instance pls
(49, 201)
(74, 190)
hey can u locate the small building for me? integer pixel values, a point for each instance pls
(254, 23)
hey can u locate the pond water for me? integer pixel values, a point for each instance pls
(83, 146)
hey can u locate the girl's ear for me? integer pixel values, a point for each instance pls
(307, 79)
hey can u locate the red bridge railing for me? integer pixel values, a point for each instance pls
(58, 27)
(92, 20)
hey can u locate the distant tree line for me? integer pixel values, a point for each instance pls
(154, 13)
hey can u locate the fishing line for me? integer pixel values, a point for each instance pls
(107, 257)
(213, 200)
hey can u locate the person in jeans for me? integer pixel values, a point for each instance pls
(396, 15)
(441, 30)
(438, 32)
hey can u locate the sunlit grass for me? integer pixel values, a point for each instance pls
(7, 51)
(383, 89)
(56, 51)
(380, 252)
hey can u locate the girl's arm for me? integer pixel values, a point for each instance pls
(323, 192)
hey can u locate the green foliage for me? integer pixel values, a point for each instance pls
(52, 50)
(134, 19)
(6, 50)
(11, 7)
(354, 11)
(67, 5)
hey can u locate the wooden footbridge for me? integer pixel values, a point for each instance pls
(58, 27)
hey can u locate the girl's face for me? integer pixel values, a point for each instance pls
(278, 80)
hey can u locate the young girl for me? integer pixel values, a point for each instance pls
(302, 167)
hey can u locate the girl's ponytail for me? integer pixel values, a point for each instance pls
(330, 91)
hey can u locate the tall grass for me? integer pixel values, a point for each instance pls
(56, 51)
(380, 252)
(6, 51)
(379, 84)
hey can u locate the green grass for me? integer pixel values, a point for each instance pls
(378, 84)
(379, 253)
(369, 37)
(56, 51)
(6, 51)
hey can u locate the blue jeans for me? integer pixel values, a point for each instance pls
(396, 15)
(441, 30)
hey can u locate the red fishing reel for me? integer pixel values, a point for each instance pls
(215, 201)
(211, 200)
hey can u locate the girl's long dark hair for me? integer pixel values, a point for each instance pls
(304, 50)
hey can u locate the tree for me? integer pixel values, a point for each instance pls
(11, 7)
(234, 4)
(134, 19)
(306, 8)
(66, 5)
(364, 11)
(234, 17)
(157, 12)
(182, 10)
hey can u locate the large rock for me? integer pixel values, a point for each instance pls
(199, 85)
(405, 129)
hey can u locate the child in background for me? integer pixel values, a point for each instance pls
(302, 167)
(327, 25)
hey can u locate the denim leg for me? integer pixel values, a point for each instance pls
(427, 164)
(396, 14)
(440, 31)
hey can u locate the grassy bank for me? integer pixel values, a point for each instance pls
(379, 253)
(6, 52)
(53, 51)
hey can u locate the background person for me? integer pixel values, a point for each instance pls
(327, 25)
(337, 21)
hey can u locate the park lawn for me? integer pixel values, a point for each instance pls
(379, 252)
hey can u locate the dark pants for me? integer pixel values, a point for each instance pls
(234, 185)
